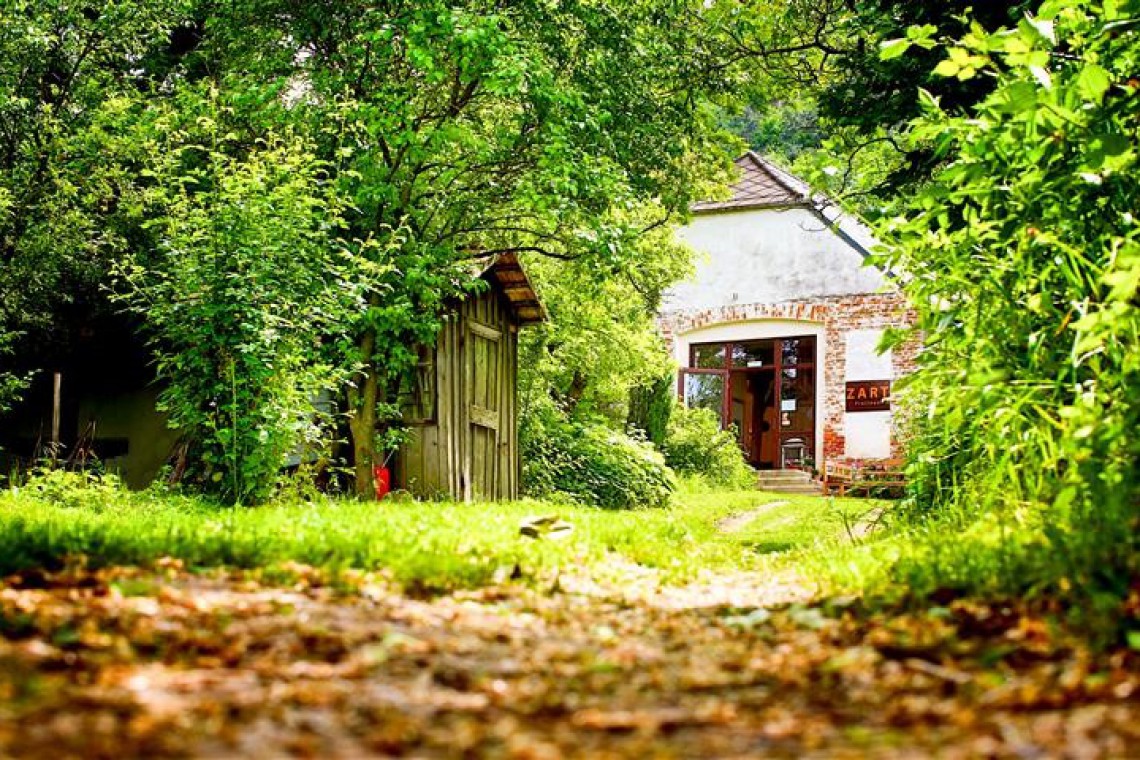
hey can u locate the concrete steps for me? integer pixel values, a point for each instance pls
(788, 481)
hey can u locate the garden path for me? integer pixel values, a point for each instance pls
(738, 522)
(130, 663)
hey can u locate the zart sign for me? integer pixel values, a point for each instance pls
(869, 396)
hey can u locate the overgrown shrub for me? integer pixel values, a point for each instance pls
(696, 445)
(650, 407)
(1023, 261)
(11, 385)
(73, 488)
(592, 464)
(247, 276)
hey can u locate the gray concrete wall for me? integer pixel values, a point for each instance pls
(133, 416)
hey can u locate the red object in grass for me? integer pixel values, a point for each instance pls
(383, 477)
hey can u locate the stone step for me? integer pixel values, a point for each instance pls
(795, 482)
(783, 475)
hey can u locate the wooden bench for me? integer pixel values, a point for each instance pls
(842, 479)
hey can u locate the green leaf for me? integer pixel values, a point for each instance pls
(928, 100)
(947, 68)
(1113, 144)
(922, 33)
(923, 36)
(1093, 82)
(892, 49)
(1133, 638)
(1018, 97)
(1043, 27)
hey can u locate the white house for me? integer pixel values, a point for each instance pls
(778, 329)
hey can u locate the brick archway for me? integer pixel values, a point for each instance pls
(837, 316)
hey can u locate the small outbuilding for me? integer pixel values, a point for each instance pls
(99, 401)
(463, 409)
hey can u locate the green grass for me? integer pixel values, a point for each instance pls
(420, 544)
(433, 547)
(986, 556)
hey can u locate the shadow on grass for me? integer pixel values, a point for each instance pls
(768, 547)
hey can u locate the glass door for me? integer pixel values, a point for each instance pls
(705, 390)
(764, 390)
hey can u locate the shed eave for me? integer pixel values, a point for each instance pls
(515, 284)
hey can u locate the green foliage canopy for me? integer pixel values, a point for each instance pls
(601, 341)
(552, 129)
(572, 132)
(1022, 257)
(65, 71)
(842, 81)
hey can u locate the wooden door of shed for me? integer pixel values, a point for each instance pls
(485, 377)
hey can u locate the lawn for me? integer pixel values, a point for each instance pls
(432, 546)
(254, 639)
(128, 656)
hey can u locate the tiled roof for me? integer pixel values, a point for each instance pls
(762, 184)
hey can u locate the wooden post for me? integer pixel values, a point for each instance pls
(55, 413)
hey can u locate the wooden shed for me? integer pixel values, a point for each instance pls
(464, 414)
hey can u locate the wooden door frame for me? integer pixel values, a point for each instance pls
(727, 371)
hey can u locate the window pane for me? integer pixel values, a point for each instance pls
(797, 399)
(757, 353)
(710, 356)
(705, 392)
(798, 351)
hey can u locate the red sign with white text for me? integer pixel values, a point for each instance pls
(869, 396)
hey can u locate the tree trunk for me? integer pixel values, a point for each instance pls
(576, 390)
(362, 423)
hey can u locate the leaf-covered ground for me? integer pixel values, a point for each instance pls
(154, 663)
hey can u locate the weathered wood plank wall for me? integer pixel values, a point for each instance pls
(471, 450)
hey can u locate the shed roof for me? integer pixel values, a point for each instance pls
(507, 272)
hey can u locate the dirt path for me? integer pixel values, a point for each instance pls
(127, 664)
(739, 522)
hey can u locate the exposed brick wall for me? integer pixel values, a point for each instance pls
(837, 315)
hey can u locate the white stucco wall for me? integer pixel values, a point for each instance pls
(768, 256)
(867, 434)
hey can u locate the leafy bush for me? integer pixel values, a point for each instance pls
(592, 464)
(73, 488)
(696, 445)
(11, 385)
(247, 275)
(650, 407)
(1023, 263)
